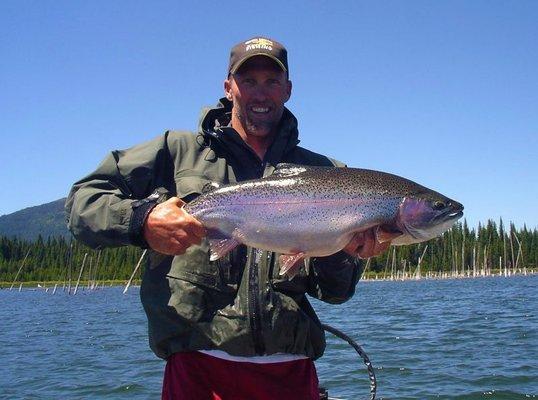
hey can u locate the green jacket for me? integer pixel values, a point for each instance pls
(239, 303)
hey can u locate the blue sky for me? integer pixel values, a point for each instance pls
(441, 92)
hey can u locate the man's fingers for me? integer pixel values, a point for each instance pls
(170, 229)
(186, 237)
(175, 217)
(178, 247)
(176, 201)
(367, 249)
(192, 225)
(359, 239)
(197, 228)
(365, 245)
(356, 241)
(382, 247)
(171, 247)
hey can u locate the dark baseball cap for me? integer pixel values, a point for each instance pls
(258, 46)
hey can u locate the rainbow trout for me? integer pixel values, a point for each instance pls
(302, 212)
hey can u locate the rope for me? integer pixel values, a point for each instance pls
(360, 351)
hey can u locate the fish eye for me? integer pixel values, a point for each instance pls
(438, 205)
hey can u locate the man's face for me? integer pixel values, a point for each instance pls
(258, 91)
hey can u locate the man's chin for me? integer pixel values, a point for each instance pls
(260, 129)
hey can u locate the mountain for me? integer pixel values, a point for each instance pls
(45, 220)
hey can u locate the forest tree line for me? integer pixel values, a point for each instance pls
(490, 246)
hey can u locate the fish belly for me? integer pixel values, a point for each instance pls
(318, 230)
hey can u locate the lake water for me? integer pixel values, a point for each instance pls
(446, 339)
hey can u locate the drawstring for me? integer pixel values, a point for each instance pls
(204, 140)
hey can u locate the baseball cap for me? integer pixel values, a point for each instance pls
(258, 46)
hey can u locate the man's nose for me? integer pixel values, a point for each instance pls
(259, 93)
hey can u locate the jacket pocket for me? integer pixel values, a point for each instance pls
(191, 183)
(194, 266)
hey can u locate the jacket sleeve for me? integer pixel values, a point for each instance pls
(99, 206)
(333, 278)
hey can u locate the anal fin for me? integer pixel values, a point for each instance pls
(290, 264)
(220, 247)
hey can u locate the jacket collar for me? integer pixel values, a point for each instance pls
(215, 127)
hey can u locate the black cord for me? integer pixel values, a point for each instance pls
(364, 356)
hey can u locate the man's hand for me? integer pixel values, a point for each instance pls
(169, 229)
(365, 245)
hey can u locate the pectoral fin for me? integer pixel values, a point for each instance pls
(290, 264)
(220, 247)
(384, 234)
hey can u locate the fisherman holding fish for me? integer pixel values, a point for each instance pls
(228, 322)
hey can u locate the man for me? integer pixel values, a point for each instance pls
(233, 328)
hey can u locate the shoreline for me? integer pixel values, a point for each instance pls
(445, 276)
(368, 277)
(61, 285)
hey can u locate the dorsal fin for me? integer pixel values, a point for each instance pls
(288, 169)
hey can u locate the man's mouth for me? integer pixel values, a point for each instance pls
(260, 110)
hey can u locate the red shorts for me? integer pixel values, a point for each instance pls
(198, 376)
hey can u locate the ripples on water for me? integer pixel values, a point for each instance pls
(452, 339)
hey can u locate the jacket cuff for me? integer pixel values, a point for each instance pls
(337, 261)
(141, 210)
(334, 277)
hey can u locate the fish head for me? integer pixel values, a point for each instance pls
(425, 216)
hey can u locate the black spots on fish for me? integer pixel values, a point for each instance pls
(318, 184)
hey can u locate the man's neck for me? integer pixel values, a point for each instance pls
(259, 144)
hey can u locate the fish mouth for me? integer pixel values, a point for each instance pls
(453, 212)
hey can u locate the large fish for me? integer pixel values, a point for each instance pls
(302, 212)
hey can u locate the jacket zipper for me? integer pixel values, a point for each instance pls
(254, 302)
(254, 306)
(253, 290)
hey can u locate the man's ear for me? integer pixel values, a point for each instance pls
(228, 89)
(288, 90)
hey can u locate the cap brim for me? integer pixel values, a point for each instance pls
(242, 61)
